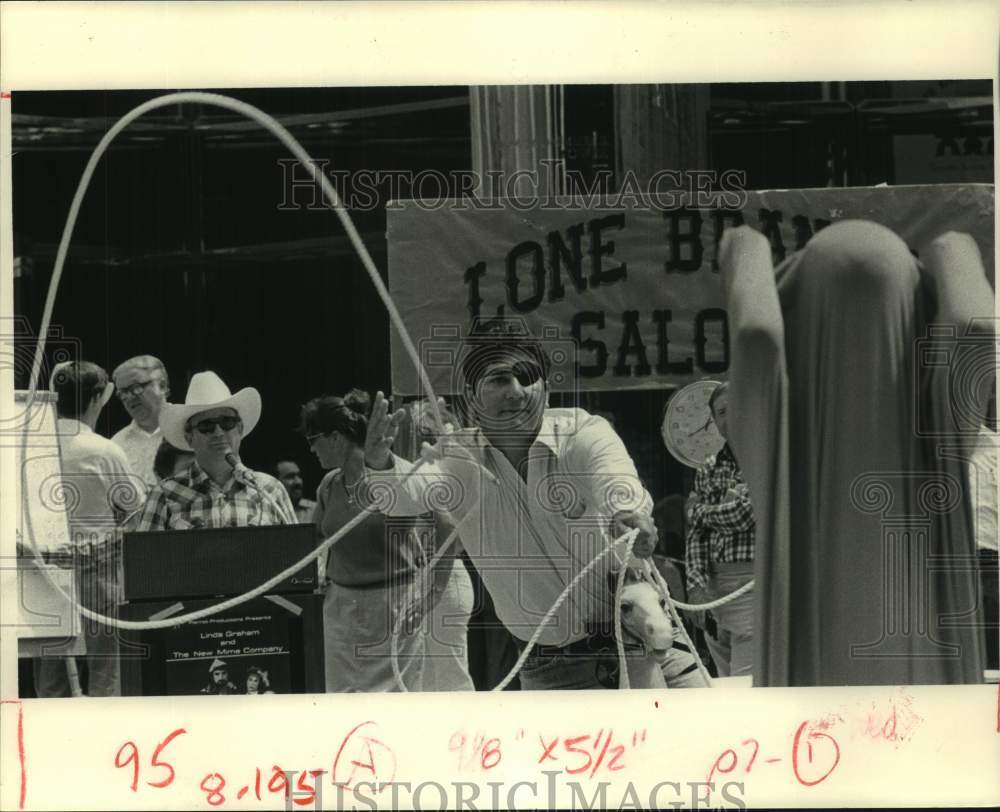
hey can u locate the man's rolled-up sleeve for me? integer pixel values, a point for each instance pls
(600, 460)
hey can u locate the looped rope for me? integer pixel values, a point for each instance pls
(661, 583)
(703, 607)
(332, 198)
(427, 455)
(628, 538)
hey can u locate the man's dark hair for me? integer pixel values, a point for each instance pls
(718, 392)
(166, 459)
(75, 384)
(503, 340)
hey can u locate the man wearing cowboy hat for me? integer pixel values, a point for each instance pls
(213, 492)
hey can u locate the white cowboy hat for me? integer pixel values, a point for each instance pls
(207, 391)
(216, 665)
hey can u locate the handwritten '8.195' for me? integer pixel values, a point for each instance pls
(360, 755)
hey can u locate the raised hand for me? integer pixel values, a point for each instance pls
(382, 430)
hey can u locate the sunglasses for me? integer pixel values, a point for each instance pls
(136, 389)
(207, 426)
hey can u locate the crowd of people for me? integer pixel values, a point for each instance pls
(532, 495)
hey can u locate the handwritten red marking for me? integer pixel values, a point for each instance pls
(20, 741)
(256, 784)
(243, 791)
(372, 765)
(20, 720)
(155, 762)
(618, 750)
(307, 792)
(717, 766)
(490, 748)
(570, 745)
(753, 757)
(796, 745)
(134, 758)
(547, 749)
(278, 781)
(457, 744)
(600, 758)
(771, 760)
(216, 791)
(4, 95)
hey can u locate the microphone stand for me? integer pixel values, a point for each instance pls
(245, 475)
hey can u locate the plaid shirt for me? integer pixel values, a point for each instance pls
(192, 500)
(719, 531)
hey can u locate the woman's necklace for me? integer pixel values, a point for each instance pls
(348, 490)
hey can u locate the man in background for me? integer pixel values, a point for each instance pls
(143, 388)
(290, 475)
(101, 490)
(720, 549)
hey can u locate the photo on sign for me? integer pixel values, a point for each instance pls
(743, 331)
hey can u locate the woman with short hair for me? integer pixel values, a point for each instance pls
(370, 570)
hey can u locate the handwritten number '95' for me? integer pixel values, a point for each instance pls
(128, 755)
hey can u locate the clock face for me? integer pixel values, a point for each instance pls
(689, 432)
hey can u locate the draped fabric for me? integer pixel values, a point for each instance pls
(846, 413)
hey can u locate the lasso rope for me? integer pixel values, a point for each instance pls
(623, 680)
(286, 138)
(661, 583)
(149, 625)
(703, 607)
(629, 537)
(333, 199)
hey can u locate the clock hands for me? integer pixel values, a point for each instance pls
(707, 424)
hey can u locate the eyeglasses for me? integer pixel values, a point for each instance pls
(136, 389)
(207, 426)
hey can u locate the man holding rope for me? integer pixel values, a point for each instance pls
(536, 494)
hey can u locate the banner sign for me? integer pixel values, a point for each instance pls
(634, 288)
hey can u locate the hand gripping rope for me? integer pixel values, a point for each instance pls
(333, 200)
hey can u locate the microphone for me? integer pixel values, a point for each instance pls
(240, 471)
(246, 476)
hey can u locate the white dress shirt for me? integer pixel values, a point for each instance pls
(528, 537)
(140, 447)
(99, 487)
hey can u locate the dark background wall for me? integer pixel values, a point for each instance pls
(182, 251)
